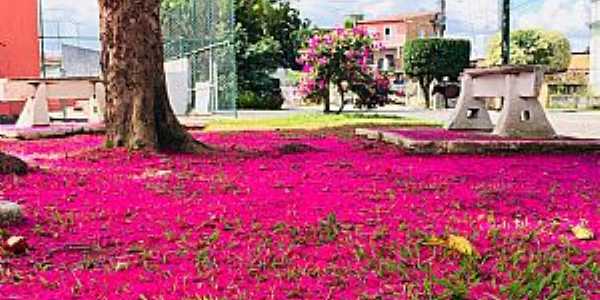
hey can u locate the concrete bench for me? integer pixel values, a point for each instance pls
(522, 114)
(39, 92)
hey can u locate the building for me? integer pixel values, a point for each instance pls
(19, 46)
(393, 32)
(80, 62)
(595, 48)
(569, 89)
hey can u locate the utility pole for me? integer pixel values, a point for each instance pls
(505, 25)
(441, 21)
(42, 37)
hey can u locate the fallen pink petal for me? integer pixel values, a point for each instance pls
(338, 218)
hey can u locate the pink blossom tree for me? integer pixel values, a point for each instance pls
(340, 57)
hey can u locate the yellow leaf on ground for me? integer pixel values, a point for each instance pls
(581, 232)
(434, 241)
(460, 244)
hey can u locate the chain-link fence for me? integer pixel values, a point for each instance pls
(199, 49)
(69, 41)
(199, 42)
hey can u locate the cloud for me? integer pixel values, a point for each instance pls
(471, 19)
(73, 15)
(332, 12)
(568, 16)
(477, 16)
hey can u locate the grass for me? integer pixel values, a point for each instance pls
(314, 122)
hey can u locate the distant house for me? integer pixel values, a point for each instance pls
(80, 62)
(393, 32)
(569, 89)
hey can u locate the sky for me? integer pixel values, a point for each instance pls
(476, 20)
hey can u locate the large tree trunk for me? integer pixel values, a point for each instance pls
(138, 114)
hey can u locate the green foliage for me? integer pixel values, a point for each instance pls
(348, 23)
(172, 4)
(269, 34)
(436, 58)
(533, 47)
(313, 121)
(268, 96)
(429, 59)
(274, 20)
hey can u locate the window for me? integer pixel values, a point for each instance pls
(371, 59)
(387, 33)
(391, 62)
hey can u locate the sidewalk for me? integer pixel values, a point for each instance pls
(584, 124)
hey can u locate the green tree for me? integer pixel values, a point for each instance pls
(348, 23)
(429, 59)
(533, 47)
(269, 34)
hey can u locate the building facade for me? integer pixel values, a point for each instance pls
(19, 45)
(80, 62)
(595, 48)
(393, 32)
(570, 89)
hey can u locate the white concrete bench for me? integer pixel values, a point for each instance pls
(38, 91)
(522, 114)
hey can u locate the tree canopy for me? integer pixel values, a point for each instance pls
(533, 47)
(429, 59)
(269, 34)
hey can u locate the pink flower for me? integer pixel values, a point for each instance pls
(307, 68)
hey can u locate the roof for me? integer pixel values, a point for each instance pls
(400, 17)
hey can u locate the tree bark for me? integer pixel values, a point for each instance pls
(342, 98)
(138, 113)
(326, 104)
(425, 83)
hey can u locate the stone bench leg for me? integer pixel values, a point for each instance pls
(35, 112)
(522, 117)
(470, 112)
(96, 104)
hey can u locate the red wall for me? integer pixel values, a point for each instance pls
(19, 46)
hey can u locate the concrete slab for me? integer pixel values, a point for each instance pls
(441, 141)
(52, 131)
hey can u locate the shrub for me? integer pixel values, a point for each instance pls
(268, 97)
(429, 59)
